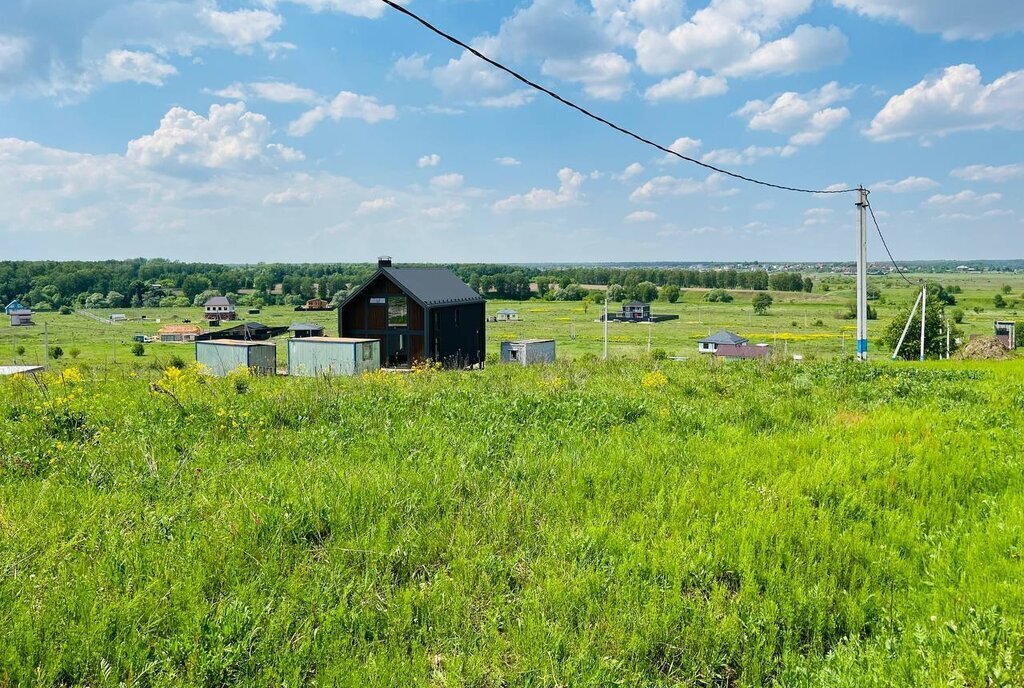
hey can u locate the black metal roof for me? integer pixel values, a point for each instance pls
(305, 327)
(724, 337)
(433, 286)
(636, 303)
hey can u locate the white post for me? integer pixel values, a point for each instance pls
(46, 346)
(947, 339)
(605, 325)
(862, 276)
(906, 329)
(924, 314)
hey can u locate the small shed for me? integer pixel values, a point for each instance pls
(528, 351)
(178, 334)
(1006, 333)
(20, 317)
(221, 356)
(301, 330)
(118, 317)
(320, 356)
(709, 345)
(506, 314)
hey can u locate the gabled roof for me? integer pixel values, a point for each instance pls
(508, 311)
(427, 286)
(218, 301)
(179, 329)
(636, 303)
(15, 305)
(433, 286)
(305, 327)
(724, 337)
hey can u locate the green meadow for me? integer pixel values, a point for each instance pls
(797, 323)
(630, 523)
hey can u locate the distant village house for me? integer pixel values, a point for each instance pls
(178, 334)
(19, 314)
(219, 308)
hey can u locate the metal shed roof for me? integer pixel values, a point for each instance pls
(218, 301)
(305, 327)
(433, 286)
(724, 337)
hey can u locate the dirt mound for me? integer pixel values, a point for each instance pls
(984, 348)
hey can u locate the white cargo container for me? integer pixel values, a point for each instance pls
(316, 356)
(221, 356)
(528, 351)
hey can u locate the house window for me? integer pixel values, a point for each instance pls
(378, 300)
(398, 311)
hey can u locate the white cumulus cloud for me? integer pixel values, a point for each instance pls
(376, 205)
(687, 86)
(641, 216)
(229, 137)
(954, 19)
(907, 185)
(667, 186)
(432, 160)
(346, 105)
(956, 100)
(568, 193)
(805, 117)
(988, 173)
(129, 65)
(604, 75)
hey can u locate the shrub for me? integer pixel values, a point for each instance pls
(761, 303)
(56, 352)
(66, 310)
(998, 301)
(74, 352)
(659, 354)
(176, 362)
(718, 296)
(138, 349)
(19, 350)
(958, 316)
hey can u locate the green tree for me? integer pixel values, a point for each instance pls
(718, 296)
(138, 349)
(998, 301)
(616, 293)
(56, 352)
(958, 316)
(761, 303)
(645, 291)
(669, 293)
(808, 285)
(934, 334)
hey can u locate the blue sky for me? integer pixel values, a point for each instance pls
(337, 130)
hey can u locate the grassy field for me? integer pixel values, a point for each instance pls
(798, 323)
(633, 523)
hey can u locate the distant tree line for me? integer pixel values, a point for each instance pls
(137, 283)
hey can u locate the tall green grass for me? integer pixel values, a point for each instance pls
(574, 525)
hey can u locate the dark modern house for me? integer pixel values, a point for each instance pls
(417, 314)
(638, 311)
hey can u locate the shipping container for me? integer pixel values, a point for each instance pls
(221, 356)
(528, 351)
(316, 356)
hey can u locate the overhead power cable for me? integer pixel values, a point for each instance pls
(882, 237)
(579, 108)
